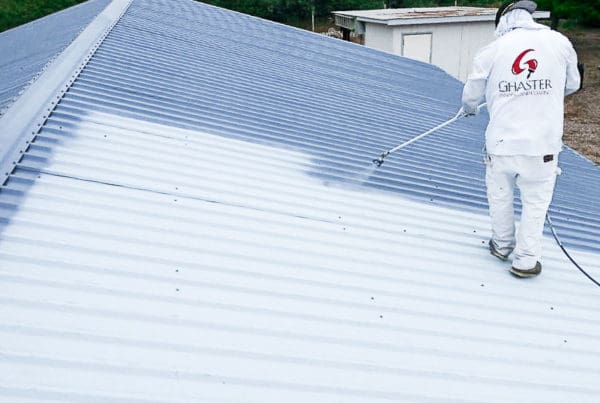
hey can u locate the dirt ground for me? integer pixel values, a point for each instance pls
(582, 110)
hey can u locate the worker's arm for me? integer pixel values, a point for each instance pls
(474, 90)
(573, 81)
(473, 94)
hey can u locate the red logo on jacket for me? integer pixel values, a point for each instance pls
(531, 65)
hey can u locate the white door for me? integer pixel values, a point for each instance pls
(417, 46)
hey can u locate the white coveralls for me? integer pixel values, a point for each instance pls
(524, 75)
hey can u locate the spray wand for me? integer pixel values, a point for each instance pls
(461, 113)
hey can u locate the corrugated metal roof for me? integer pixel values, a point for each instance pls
(193, 222)
(26, 50)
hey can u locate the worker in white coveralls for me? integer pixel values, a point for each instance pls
(524, 76)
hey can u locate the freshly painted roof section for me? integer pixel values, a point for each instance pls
(27, 49)
(427, 15)
(197, 221)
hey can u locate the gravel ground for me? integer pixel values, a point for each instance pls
(582, 109)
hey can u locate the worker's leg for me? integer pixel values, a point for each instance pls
(500, 181)
(536, 182)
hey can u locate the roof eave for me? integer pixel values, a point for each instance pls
(426, 21)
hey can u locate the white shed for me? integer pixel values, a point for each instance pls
(447, 37)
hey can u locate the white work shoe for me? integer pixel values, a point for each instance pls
(494, 251)
(524, 273)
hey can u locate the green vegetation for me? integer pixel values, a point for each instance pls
(17, 12)
(292, 11)
(582, 12)
(297, 12)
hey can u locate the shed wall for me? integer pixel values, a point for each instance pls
(380, 37)
(453, 45)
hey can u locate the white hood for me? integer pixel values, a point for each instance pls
(514, 19)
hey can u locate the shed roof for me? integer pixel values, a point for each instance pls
(427, 15)
(196, 220)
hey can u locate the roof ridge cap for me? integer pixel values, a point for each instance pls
(22, 121)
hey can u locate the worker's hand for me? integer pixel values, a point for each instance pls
(469, 111)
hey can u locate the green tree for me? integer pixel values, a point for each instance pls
(586, 12)
(294, 10)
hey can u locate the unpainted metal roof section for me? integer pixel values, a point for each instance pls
(197, 220)
(25, 51)
(431, 15)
